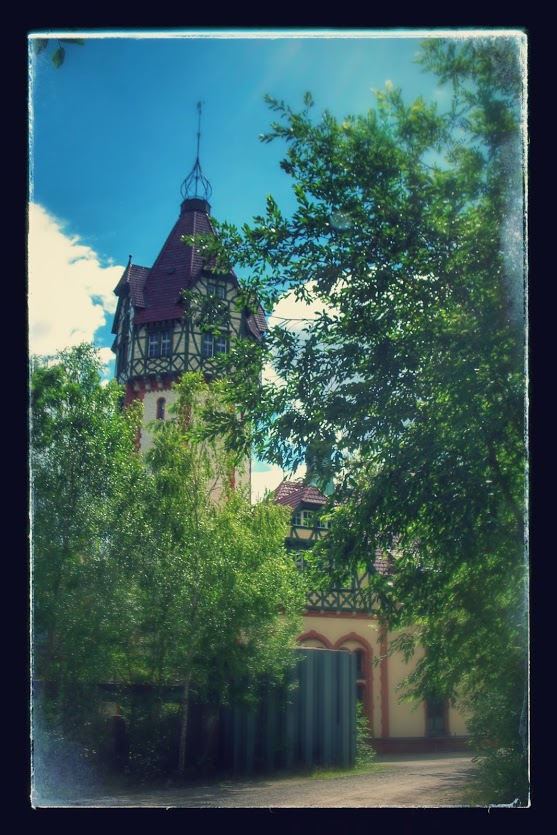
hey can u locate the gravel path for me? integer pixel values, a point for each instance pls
(428, 780)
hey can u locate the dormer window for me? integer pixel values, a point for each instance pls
(308, 519)
(303, 519)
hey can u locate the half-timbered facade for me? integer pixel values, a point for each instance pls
(340, 619)
(176, 316)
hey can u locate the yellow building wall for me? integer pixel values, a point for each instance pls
(242, 474)
(150, 399)
(457, 722)
(388, 715)
(405, 718)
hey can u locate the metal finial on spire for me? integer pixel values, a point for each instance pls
(196, 183)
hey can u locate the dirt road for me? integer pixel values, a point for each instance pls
(428, 780)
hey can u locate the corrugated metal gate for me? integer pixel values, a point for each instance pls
(311, 720)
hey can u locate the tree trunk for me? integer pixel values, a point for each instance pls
(184, 726)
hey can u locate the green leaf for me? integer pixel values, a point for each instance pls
(58, 57)
(39, 45)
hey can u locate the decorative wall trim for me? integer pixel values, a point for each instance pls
(384, 674)
(315, 636)
(368, 670)
(345, 615)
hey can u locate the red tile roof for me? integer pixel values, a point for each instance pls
(257, 323)
(295, 493)
(260, 319)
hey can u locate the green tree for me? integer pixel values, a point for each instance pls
(218, 597)
(147, 570)
(409, 385)
(83, 468)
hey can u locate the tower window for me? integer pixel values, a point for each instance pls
(217, 289)
(122, 354)
(161, 408)
(213, 345)
(160, 343)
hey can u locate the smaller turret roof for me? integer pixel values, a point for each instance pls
(295, 493)
(135, 278)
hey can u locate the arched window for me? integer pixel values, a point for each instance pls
(360, 668)
(362, 651)
(161, 406)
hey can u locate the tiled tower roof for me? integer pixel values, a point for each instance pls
(155, 292)
(176, 267)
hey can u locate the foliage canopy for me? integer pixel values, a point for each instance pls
(141, 575)
(408, 385)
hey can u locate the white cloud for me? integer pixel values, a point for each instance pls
(262, 481)
(106, 356)
(293, 314)
(70, 293)
(298, 312)
(270, 479)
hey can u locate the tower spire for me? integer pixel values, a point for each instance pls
(196, 184)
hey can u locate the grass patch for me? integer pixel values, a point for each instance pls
(321, 773)
(315, 773)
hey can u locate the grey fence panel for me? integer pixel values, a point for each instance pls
(327, 687)
(310, 720)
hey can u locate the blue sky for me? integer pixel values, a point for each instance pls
(113, 135)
